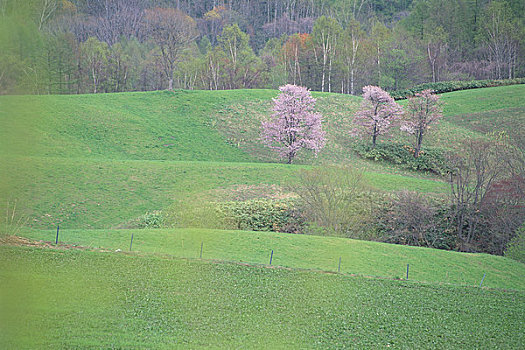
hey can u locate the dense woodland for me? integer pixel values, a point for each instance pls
(91, 46)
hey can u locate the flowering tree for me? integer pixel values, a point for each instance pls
(294, 124)
(377, 114)
(423, 109)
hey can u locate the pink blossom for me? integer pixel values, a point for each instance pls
(378, 113)
(423, 110)
(294, 124)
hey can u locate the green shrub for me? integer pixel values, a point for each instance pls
(262, 215)
(516, 247)
(153, 219)
(429, 159)
(449, 86)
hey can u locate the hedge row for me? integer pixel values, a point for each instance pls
(430, 159)
(262, 215)
(448, 86)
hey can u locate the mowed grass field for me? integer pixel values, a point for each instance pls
(96, 161)
(305, 252)
(77, 299)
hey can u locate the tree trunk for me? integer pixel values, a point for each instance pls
(94, 80)
(330, 75)
(322, 81)
(352, 80)
(170, 84)
(418, 144)
(378, 66)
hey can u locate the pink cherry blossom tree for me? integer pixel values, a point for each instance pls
(294, 124)
(423, 109)
(377, 114)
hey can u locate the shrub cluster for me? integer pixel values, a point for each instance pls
(448, 86)
(429, 159)
(262, 215)
(409, 218)
(153, 219)
(516, 247)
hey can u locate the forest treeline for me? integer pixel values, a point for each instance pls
(91, 46)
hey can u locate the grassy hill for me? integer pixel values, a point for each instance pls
(78, 299)
(306, 252)
(97, 161)
(93, 162)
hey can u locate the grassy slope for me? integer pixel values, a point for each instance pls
(59, 162)
(100, 194)
(99, 160)
(308, 252)
(472, 113)
(75, 299)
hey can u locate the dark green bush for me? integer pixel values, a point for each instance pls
(153, 219)
(262, 215)
(516, 247)
(448, 86)
(429, 159)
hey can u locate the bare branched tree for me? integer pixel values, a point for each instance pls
(172, 31)
(330, 195)
(476, 175)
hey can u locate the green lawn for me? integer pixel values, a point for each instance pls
(308, 252)
(75, 299)
(83, 193)
(483, 100)
(473, 113)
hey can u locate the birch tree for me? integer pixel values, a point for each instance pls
(350, 44)
(326, 34)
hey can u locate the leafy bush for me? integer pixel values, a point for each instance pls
(516, 247)
(153, 219)
(262, 215)
(429, 159)
(448, 86)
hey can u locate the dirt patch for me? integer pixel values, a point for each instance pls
(26, 242)
(249, 192)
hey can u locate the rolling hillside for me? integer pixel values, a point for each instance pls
(99, 160)
(93, 162)
(305, 252)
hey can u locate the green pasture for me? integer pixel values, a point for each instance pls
(307, 252)
(81, 193)
(76, 299)
(96, 161)
(92, 163)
